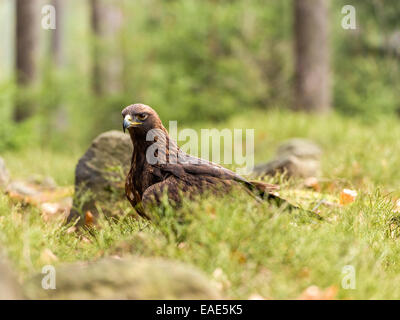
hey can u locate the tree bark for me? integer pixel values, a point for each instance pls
(312, 49)
(106, 22)
(27, 28)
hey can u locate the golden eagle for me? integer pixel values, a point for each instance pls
(159, 166)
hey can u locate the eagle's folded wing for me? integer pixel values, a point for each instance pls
(188, 164)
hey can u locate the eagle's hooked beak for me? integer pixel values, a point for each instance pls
(128, 123)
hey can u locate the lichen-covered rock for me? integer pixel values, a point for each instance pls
(127, 278)
(296, 157)
(300, 148)
(4, 175)
(9, 287)
(100, 173)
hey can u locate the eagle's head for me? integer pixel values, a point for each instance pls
(139, 119)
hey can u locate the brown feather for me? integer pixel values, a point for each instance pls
(146, 183)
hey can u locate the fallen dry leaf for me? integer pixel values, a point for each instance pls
(316, 293)
(312, 182)
(89, 219)
(52, 202)
(347, 196)
(50, 208)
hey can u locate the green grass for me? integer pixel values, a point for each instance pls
(259, 248)
(59, 165)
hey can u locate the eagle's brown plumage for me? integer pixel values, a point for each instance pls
(175, 172)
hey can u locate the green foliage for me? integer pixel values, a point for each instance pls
(201, 60)
(366, 67)
(196, 58)
(45, 162)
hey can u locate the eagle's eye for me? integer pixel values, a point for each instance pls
(141, 116)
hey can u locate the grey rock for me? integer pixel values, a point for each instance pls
(300, 148)
(4, 175)
(100, 173)
(126, 278)
(9, 287)
(296, 157)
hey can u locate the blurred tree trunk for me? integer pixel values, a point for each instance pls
(312, 50)
(27, 20)
(107, 68)
(58, 110)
